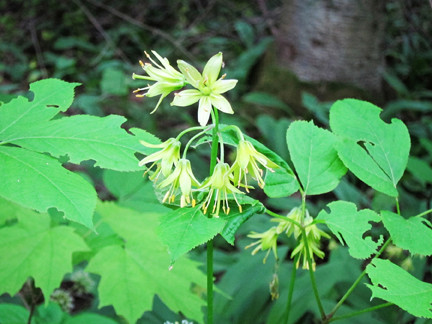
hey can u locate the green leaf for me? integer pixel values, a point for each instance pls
(315, 159)
(39, 182)
(397, 286)
(236, 218)
(413, 234)
(383, 159)
(31, 248)
(85, 137)
(185, 228)
(13, 314)
(139, 269)
(51, 97)
(349, 225)
(90, 318)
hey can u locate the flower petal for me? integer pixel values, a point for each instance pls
(204, 109)
(186, 98)
(192, 75)
(221, 103)
(212, 68)
(221, 86)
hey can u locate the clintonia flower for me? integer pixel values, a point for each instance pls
(220, 186)
(165, 158)
(208, 88)
(267, 241)
(181, 177)
(246, 162)
(167, 79)
(288, 227)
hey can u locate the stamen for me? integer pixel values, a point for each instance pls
(166, 196)
(141, 63)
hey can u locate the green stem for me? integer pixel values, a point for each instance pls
(291, 288)
(424, 213)
(397, 206)
(370, 309)
(191, 129)
(339, 304)
(191, 141)
(283, 218)
(213, 161)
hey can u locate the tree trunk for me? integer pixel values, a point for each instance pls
(333, 40)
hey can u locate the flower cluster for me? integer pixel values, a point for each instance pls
(208, 89)
(222, 185)
(291, 226)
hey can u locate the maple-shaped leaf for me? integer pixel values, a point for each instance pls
(84, 137)
(346, 222)
(31, 248)
(132, 274)
(185, 228)
(413, 234)
(39, 182)
(376, 152)
(50, 97)
(397, 286)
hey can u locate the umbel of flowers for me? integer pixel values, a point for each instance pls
(173, 174)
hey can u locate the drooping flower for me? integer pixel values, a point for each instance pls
(182, 177)
(288, 227)
(313, 237)
(165, 158)
(208, 88)
(167, 79)
(247, 162)
(220, 187)
(267, 241)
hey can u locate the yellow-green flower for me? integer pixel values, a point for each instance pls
(267, 241)
(165, 158)
(182, 177)
(313, 237)
(167, 79)
(220, 187)
(208, 88)
(288, 227)
(247, 162)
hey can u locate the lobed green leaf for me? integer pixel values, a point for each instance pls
(31, 248)
(413, 234)
(39, 182)
(349, 225)
(397, 286)
(386, 146)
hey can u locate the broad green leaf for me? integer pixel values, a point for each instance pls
(315, 159)
(51, 97)
(397, 286)
(413, 234)
(386, 146)
(138, 270)
(364, 167)
(85, 137)
(31, 248)
(14, 314)
(90, 318)
(349, 225)
(39, 182)
(185, 228)
(236, 218)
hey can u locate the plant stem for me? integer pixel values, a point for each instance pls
(370, 309)
(291, 288)
(283, 218)
(339, 304)
(424, 213)
(213, 161)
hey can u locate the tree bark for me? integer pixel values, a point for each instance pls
(333, 40)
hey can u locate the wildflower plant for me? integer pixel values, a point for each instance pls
(39, 241)
(320, 158)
